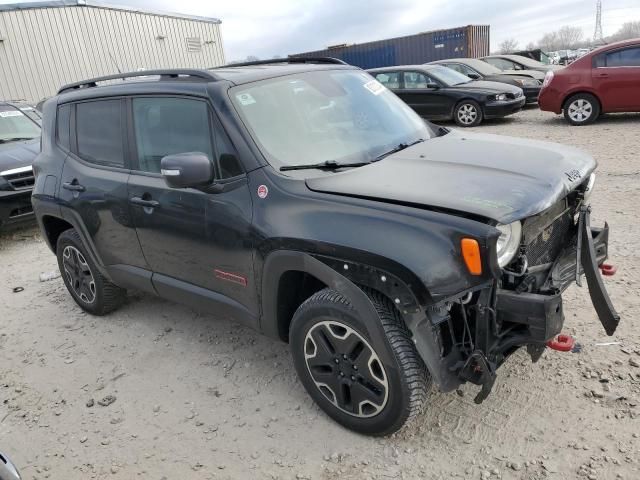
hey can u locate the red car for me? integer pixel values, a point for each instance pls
(605, 80)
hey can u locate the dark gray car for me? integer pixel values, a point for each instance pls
(518, 62)
(19, 145)
(439, 93)
(479, 70)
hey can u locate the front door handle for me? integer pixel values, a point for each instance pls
(144, 203)
(603, 75)
(73, 186)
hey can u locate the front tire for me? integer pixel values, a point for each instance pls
(341, 363)
(468, 113)
(581, 109)
(90, 290)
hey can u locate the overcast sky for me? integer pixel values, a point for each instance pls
(279, 27)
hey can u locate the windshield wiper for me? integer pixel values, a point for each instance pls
(397, 149)
(328, 165)
(14, 139)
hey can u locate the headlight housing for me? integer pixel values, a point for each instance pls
(547, 79)
(589, 189)
(508, 242)
(500, 97)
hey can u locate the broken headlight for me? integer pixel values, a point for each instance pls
(508, 242)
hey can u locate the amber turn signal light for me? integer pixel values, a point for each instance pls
(471, 255)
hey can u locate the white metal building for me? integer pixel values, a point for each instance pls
(44, 45)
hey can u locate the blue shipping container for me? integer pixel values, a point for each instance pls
(470, 41)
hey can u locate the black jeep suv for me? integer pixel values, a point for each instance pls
(307, 201)
(19, 145)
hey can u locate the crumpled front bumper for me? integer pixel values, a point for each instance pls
(542, 313)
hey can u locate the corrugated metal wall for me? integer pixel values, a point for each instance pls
(469, 41)
(44, 48)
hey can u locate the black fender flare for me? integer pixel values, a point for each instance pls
(73, 218)
(281, 261)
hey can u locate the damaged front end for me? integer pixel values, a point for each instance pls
(480, 329)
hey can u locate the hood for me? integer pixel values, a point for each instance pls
(485, 86)
(500, 178)
(538, 75)
(18, 154)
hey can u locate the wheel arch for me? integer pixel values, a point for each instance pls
(53, 227)
(568, 96)
(290, 277)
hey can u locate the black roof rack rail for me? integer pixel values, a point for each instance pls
(168, 74)
(329, 60)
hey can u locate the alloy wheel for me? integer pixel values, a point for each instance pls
(467, 114)
(346, 369)
(79, 274)
(580, 110)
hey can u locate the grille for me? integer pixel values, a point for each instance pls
(547, 234)
(20, 180)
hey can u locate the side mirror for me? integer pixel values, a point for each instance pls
(7, 469)
(184, 170)
(433, 86)
(473, 76)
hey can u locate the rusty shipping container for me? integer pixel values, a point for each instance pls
(470, 41)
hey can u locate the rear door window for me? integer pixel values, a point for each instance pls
(628, 57)
(99, 132)
(417, 80)
(390, 80)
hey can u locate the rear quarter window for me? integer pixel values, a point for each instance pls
(62, 127)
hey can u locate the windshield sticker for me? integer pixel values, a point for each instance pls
(245, 99)
(10, 113)
(374, 87)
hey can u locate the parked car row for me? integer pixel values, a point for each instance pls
(468, 90)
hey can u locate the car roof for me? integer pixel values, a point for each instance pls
(191, 80)
(515, 58)
(403, 67)
(252, 73)
(610, 46)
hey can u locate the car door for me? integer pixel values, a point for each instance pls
(195, 240)
(425, 95)
(616, 77)
(94, 182)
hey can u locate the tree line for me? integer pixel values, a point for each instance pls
(570, 38)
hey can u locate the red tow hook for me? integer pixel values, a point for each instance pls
(562, 343)
(608, 270)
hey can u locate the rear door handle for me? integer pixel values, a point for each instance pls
(144, 203)
(73, 186)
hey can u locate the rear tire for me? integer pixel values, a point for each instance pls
(91, 291)
(340, 363)
(468, 113)
(581, 109)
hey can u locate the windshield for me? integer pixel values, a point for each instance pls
(448, 76)
(528, 62)
(483, 67)
(16, 125)
(325, 116)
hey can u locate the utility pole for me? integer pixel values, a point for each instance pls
(597, 34)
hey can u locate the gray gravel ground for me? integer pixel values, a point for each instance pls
(194, 396)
